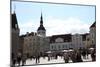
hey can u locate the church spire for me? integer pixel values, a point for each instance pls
(41, 20)
(41, 29)
(41, 23)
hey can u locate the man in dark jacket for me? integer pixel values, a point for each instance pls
(78, 57)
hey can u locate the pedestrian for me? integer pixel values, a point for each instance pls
(84, 54)
(87, 53)
(18, 60)
(23, 60)
(73, 57)
(13, 62)
(49, 57)
(37, 57)
(56, 56)
(78, 57)
(66, 57)
(93, 55)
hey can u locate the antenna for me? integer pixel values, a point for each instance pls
(41, 11)
(14, 8)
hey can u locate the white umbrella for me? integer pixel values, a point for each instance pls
(49, 52)
(91, 48)
(70, 50)
(64, 50)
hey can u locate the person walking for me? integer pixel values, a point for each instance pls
(78, 57)
(13, 62)
(73, 57)
(37, 57)
(18, 60)
(93, 55)
(23, 60)
(49, 57)
(66, 57)
(84, 54)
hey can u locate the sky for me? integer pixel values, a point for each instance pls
(57, 18)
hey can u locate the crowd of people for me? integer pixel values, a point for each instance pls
(74, 56)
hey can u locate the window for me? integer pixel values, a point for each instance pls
(87, 39)
(38, 32)
(59, 46)
(70, 45)
(51, 47)
(63, 46)
(66, 46)
(55, 47)
(16, 26)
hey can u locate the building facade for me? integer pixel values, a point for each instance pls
(36, 43)
(93, 34)
(77, 41)
(14, 36)
(69, 41)
(60, 42)
(86, 40)
(28, 44)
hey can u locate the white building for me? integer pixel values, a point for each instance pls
(60, 42)
(68, 41)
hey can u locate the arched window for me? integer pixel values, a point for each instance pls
(59, 40)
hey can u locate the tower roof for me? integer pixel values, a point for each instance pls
(93, 25)
(41, 23)
(14, 22)
(41, 27)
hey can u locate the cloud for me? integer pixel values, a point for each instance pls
(56, 26)
(28, 26)
(64, 26)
